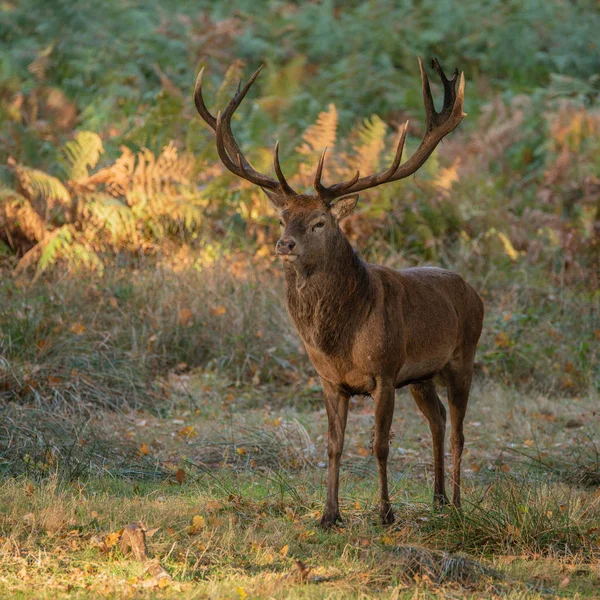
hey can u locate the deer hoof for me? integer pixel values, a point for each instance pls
(330, 518)
(440, 501)
(386, 514)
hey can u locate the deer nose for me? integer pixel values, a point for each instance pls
(285, 245)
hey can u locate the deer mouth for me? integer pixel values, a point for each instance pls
(288, 257)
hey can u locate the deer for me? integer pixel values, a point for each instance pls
(369, 330)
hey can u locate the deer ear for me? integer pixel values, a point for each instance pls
(344, 206)
(276, 201)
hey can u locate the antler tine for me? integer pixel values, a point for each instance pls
(240, 94)
(438, 125)
(227, 147)
(449, 86)
(200, 105)
(222, 150)
(399, 149)
(285, 186)
(326, 193)
(319, 187)
(427, 98)
(348, 184)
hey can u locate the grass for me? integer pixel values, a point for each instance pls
(247, 506)
(167, 390)
(86, 340)
(249, 542)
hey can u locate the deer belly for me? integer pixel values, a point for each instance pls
(424, 369)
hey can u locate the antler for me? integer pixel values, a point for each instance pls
(439, 124)
(228, 149)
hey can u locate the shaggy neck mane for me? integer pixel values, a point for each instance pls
(328, 301)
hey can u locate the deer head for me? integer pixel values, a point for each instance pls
(310, 221)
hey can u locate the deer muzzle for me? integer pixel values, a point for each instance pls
(285, 248)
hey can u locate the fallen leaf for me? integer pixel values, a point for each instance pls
(185, 317)
(284, 551)
(187, 432)
(303, 570)
(218, 311)
(198, 522)
(78, 328)
(565, 582)
(180, 476)
(151, 532)
(112, 539)
(144, 449)
(502, 340)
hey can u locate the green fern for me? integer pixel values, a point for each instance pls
(370, 142)
(231, 78)
(40, 187)
(108, 214)
(82, 154)
(57, 241)
(64, 242)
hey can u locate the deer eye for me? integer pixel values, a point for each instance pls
(281, 222)
(318, 225)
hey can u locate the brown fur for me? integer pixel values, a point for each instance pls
(370, 330)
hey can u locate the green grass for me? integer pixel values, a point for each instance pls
(249, 540)
(113, 384)
(254, 473)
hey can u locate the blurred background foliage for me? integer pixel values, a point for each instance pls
(103, 158)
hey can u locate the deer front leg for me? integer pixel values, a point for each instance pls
(384, 397)
(337, 414)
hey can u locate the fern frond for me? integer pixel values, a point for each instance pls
(189, 213)
(51, 249)
(63, 243)
(163, 174)
(104, 213)
(17, 214)
(42, 190)
(232, 76)
(370, 142)
(322, 133)
(82, 154)
(117, 177)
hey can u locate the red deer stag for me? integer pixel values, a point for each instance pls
(369, 330)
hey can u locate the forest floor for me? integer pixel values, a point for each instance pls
(230, 490)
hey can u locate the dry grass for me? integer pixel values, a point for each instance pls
(163, 392)
(254, 474)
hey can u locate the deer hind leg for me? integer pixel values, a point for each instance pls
(430, 405)
(459, 385)
(337, 414)
(384, 396)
